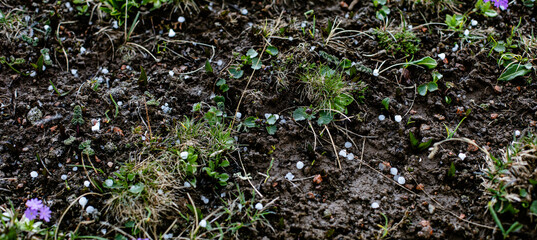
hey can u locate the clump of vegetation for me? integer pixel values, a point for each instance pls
(401, 41)
(118, 8)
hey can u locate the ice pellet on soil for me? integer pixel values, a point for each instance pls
(376, 72)
(259, 206)
(33, 74)
(181, 19)
(382, 117)
(350, 156)
(289, 176)
(517, 133)
(375, 205)
(50, 88)
(105, 71)
(109, 182)
(244, 11)
(466, 32)
(160, 192)
(64, 177)
(299, 165)
(393, 171)
(203, 223)
(238, 115)
(115, 25)
(473, 23)
(398, 118)
(168, 236)
(86, 183)
(165, 108)
(184, 155)
(75, 169)
(171, 33)
(382, 167)
(442, 56)
(82, 50)
(74, 72)
(97, 126)
(204, 199)
(462, 156)
(267, 115)
(348, 144)
(291, 38)
(104, 231)
(396, 177)
(343, 153)
(33, 174)
(455, 48)
(401, 180)
(219, 62)
(90, 209)
(187, 185)
(83, 201)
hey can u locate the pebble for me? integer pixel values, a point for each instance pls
(289, 176)
(171, 33)
(393, 171)
(90, 209)
(203, 223)
(382, 117)
(398, 118)
(462, 156)
(299, 165)
(33, 174)
(375, 205)
(83, 201)
(259, 206)
(348, 144)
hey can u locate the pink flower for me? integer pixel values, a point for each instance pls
(44, 213)
(34, 204)
(31, 214)
(499, 3)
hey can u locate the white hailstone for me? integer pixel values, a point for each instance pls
(343, 153)
(187, 185)
(299, 165)
(90, 209)
(165, 108)
(312, 48)
(398, 118)
(203, 223)
(75, 169)
(393, 171)
(171, 73)
(401, 180)
(455, 48)
(171, 33)
(104, 71)
(376, 72)
(204, 199)
(267, 115)
(184, 155)
(86, 183)
(222, 195)
(96, 127)
(517, 133)
(291, 39)
(83, 201)
(47, 57)
(103, 231)
(350, 156)
(289, 176)
(160, 192)
(259, 206)
(382, 167)
(466, 32)
(74, 72)
(238, 115)
(109, 182)
(115, 25)
(33, 174)
(120, 103)
(82, 50)
(442, 56)
(462, 156)
(244, 11)
(33, 74)
(181, 19)
(382, 117)
(50, 88)
(64, 177)
(348, 144)
(219, 62)
(303, 24)
(375, 205)
(168, 236)
(473, 23)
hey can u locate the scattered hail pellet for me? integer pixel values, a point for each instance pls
(75, 169)
(259, 206)
(455, 48)
(289, 176)
(376, 72)
(375, 205)
(462, 156)
(401, 180)
(86, 183)
(97, 126)
(115, 25)
(74, 72)
(238, 115)
(82, 50)
(33, 174)
(184, 155)
(109, 182)
(398, 118)
(90, 209)
(442, 56)
(219, 62)
(299, 165)
(187, 185)
(473, 23)
(396, 177)
(348, 144)
(350, 156)
(343, 153)
(171, 73)
(204, 199)
(83, 201)
(50, 88)
(244, 11)
(104, 231)
(517, 133)
(466, 32)
(393, 171)
(104, 71)
(382, 117)
(64, 177)
(203, 223)
(171, 33)
(222, 194)
(181, 19)
(382, 167)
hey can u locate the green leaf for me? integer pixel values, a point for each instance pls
(413, 140)
(224, 88)
(272, 129)
(436, 76)
(224, 163)
(39, 64)
(343, 99)
(432, 86)
(273, 51)
(424, 145)
(142, 80)
(422, 89)
(300, 114)
(220, 82)
(490, 13)
(252, 53)
(533, 207)
(515, 70)
(386, 103)
(256, 63)
(515, 227)
(272, 119)
(452, 170)
(223, 177)
(137, 188)
(236, 72)
(325, 117)
(208, 67)
(345, 63)
(250, 122)
(428, 62)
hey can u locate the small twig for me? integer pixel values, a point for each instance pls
(246, 174)
(148, 122)
(333, 146)
(70, 205)
(195, 226)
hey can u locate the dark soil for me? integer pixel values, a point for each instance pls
(431, 204)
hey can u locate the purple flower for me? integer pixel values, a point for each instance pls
(34, 204)
(44, 213)
(31, 214)
(503, 4)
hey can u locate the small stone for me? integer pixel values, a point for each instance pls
(259, 206)
(34, 115)
(462, 156)
(382, 117)
(299, 165)
(393, 171)
(375, 205)
(348, 144)
(33, 174)
(398, 118)
(110, 164)
(493, 116)
(382, 167)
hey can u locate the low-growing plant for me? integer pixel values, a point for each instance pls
(399, 41)
(430, 86)
(485, 8)
(416, 145)
(456, 22)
